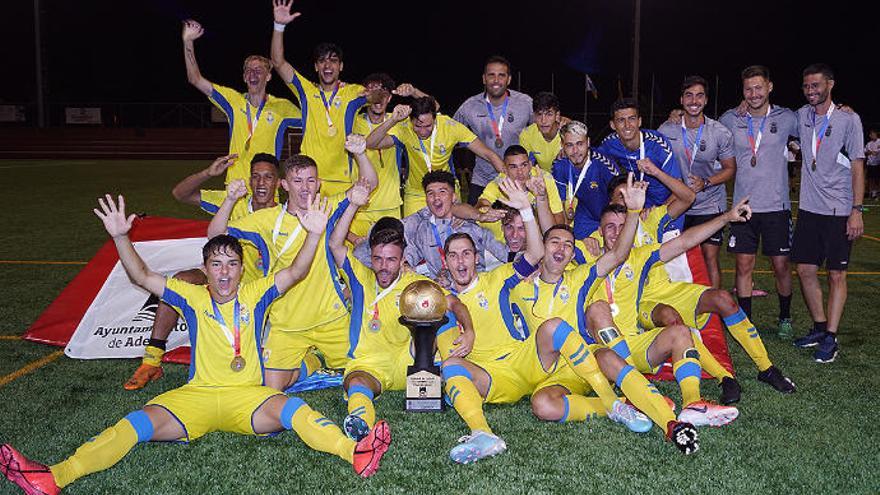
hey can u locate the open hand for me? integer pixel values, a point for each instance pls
(281, 11)
(115, 221)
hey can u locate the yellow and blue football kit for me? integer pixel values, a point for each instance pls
(425, 155)
(210, 202)
(253, 129)
(385, 200)
(492, 193)
(541, 151)
(327, 119)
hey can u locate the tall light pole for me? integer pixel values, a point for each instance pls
(38, 66)
(637, 29)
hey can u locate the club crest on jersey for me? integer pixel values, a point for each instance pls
(337, 102)
(564, 294)
(442, 148)
(510, 117)
(646, 239)
(270, 117)
(828, 132)
(773, 128)
(594, 185)
(245, 317)
(482, 301)
(702, 145)
(628, 272)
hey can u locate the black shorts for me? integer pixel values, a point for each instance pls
(693, 220)
(821, 239)
(772, 229)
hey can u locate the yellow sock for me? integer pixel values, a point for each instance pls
(574, 351)
(153, 355)
(645, 396)
(746, 334)
(687, 373)
(315, 430)
(100, 452)
(465, 398)
(310, 364)
(580, 408)
(708, 361)
(360, 403)
(446, 335)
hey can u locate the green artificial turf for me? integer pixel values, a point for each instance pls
(819, 440)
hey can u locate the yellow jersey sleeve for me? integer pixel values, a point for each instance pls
(387, 163)
(541, 151)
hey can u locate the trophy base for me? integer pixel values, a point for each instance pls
(424, 390)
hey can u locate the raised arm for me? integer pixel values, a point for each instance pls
(187, 190)
(694, 236)
(192, 31)
(465, 342)
(518, 198)
(682, 196)
(407, 90)
(634, 198)
(235, 190)
(546, 218)
(379, 138)
(118, 225)
(357, 146)
(358, 195)
(314, 221)
(483, 151)
(283, 16)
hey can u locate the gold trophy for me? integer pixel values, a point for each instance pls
(423, 311)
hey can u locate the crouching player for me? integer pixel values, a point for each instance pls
(225, 390)
(380, 345)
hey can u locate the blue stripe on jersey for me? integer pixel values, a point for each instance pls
(351, 111)
(399, 153)
(652, 260)
(226, 107)
(357, 307)
(504, 304)
(208, 207)
(258, 242)
(282, 128)
(303, 101)
(583, 293)
(331, 261)
(579, 257)
(260, 314)
(189, 314)
(514, 308)
(452, 323)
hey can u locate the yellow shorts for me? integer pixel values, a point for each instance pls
(388, 367)
(284, 350)
(638, 350)
(331, 187)
(363, 220)
(564, 377)
(201, 410)
(682, 296)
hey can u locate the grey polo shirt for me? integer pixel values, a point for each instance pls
(421, 244)
(766, 184)
(716, 143)
(828, 189)
(474, 114)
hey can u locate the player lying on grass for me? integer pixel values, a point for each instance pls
(225, 390)
(264, 182)
(381, 345)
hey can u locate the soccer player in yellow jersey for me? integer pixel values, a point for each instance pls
(328, 107)
(257, 121)
(381, 346)
(541, 139)
(520, 168)
(429, 139)
(225, 391)
(264, 184)
(627, 286)
(276, 233)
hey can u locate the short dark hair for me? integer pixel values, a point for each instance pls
(382, 78)
(612, 208)
(509, 213)
(693, 81)
(438, 176)
(497, 59)
(459, 235)
(623, 104)
(515, 150)
(423, 105)
(266, 157)
(755, 71)
(222, 243)
(298, 161)
(323, 50)
(615, 182)
(558, 226)
(388, 230)
(545, 101)
(819, 68)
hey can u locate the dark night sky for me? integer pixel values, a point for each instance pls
(111, 51)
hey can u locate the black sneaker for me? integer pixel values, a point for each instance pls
(811, 339)
(773, 377)
(730, 391)
(684, 436)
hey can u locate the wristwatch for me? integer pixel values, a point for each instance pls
(859, 208)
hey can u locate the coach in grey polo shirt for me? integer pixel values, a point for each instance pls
(761, 132)
(704, 151)
(497, 116)
(830, 210)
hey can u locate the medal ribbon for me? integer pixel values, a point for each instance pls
(552, 299)
(379, 152)
(428, 154)
(381, 295)
(573, 188)
(277, 229)
(641, 155)
(252, 124)
(440, 249)
(234, 339)
(330, 102)
(817, 142)
(497, 123)
(692, 154)
(756, 141)
(610, 282)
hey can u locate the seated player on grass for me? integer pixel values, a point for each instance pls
(504, 365)
(264, 186)
(627, 287)
(225, 391)
(381, 346)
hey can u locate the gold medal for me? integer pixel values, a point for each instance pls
(237, 364)
(375, 325)
(332, 130)
(814, 165)
(498, 142)
(754, 160)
